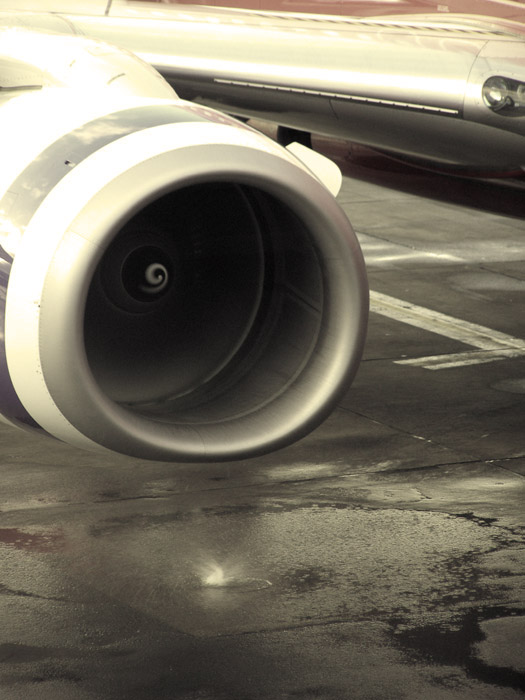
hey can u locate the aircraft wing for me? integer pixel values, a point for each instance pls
(441, 90)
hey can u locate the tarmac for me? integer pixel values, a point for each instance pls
(382, 557)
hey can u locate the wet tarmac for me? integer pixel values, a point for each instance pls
(382, 557)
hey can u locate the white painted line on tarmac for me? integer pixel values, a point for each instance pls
(461, 359)
(490, 345)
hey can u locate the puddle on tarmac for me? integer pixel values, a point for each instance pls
(216, 576)
(512, 386)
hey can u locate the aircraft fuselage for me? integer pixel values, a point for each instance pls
(421, 87)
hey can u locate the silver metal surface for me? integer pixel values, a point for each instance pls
(256, 326)
(411, 86)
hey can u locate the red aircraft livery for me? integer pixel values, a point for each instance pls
(503, 9)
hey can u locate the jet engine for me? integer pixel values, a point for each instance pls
(175, 286)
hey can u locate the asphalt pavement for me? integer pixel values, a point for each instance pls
(380, 558)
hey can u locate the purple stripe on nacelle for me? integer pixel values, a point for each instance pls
(10, 406)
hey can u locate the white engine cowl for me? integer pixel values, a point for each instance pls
(178, 287)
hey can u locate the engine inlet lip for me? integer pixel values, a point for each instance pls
(65, 365)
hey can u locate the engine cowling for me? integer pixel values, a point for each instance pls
(177, 287)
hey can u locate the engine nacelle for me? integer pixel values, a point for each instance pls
(175, 286)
